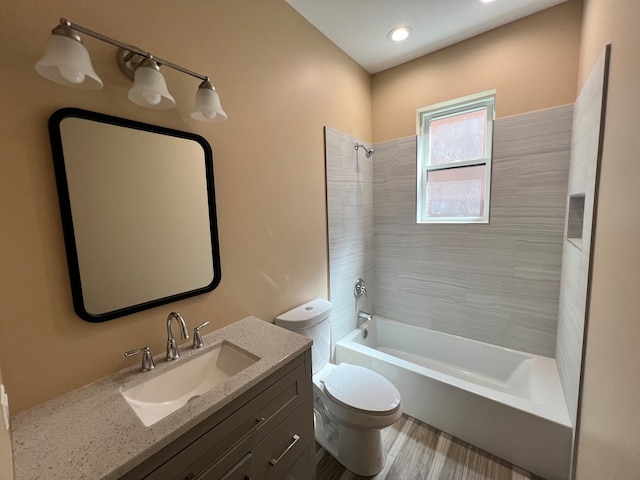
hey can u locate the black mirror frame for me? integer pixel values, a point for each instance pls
(67, 220)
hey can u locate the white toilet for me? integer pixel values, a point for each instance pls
(352, 404)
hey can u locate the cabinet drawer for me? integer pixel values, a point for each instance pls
(286, 452)
(240, 471)
(302, 469)
(242, 429)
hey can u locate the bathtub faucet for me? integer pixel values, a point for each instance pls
(363, 316)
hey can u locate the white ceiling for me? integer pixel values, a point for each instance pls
(360, 27)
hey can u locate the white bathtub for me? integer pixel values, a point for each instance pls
(506, 402)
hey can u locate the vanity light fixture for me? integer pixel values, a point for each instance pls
(399, 34)
(66, 61)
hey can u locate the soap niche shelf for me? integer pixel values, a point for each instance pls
(575, 219)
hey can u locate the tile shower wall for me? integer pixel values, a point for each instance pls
(575, 259)
(350, 225)
(497, 282)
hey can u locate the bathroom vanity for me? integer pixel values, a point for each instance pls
(257, 424)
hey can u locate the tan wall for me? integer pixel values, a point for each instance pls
(280, 81)
(532, 63)
(609, 433)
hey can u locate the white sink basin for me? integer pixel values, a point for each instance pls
(167, 392)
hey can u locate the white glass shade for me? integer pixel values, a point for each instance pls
(66, 61)
(150, 89)
(207, 107)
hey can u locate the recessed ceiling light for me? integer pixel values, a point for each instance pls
(399, 34)
(487, 1)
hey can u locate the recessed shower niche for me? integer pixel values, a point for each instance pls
(575, 219)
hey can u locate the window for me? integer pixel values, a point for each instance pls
(454, 160)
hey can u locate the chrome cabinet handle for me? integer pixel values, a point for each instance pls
(274, 461)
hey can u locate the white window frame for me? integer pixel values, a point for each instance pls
(442, 110)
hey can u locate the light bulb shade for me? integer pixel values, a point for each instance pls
(66, 61)
(207, 107)
(150, 89)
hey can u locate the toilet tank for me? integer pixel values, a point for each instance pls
(311, 320)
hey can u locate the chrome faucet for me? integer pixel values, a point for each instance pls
(363, 316)
(172, 348)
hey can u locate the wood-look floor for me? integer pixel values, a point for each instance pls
(416, 451)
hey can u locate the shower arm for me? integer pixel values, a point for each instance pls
(368, 151)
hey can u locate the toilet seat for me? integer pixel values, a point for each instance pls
(362, 389)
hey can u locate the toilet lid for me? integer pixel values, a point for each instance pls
(361, 388)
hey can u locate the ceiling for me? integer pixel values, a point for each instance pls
(360, 27)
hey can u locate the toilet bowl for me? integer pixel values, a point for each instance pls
(352, 404)
(361, 403)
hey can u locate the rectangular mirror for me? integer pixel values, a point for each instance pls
(138, 212)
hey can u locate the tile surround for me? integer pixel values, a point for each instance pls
(576, 259)
(496, 283)
(350, 226)
(499, 282)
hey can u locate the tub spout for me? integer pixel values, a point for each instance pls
(363, 316)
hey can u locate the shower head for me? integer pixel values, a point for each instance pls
(368, 151)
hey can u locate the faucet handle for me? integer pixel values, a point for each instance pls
(197, 338)
(147, 359)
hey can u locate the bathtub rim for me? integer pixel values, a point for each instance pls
(558, 414)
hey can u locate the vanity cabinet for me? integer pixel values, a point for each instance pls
(265, 433)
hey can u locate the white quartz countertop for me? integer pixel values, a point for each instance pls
(92, 432)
